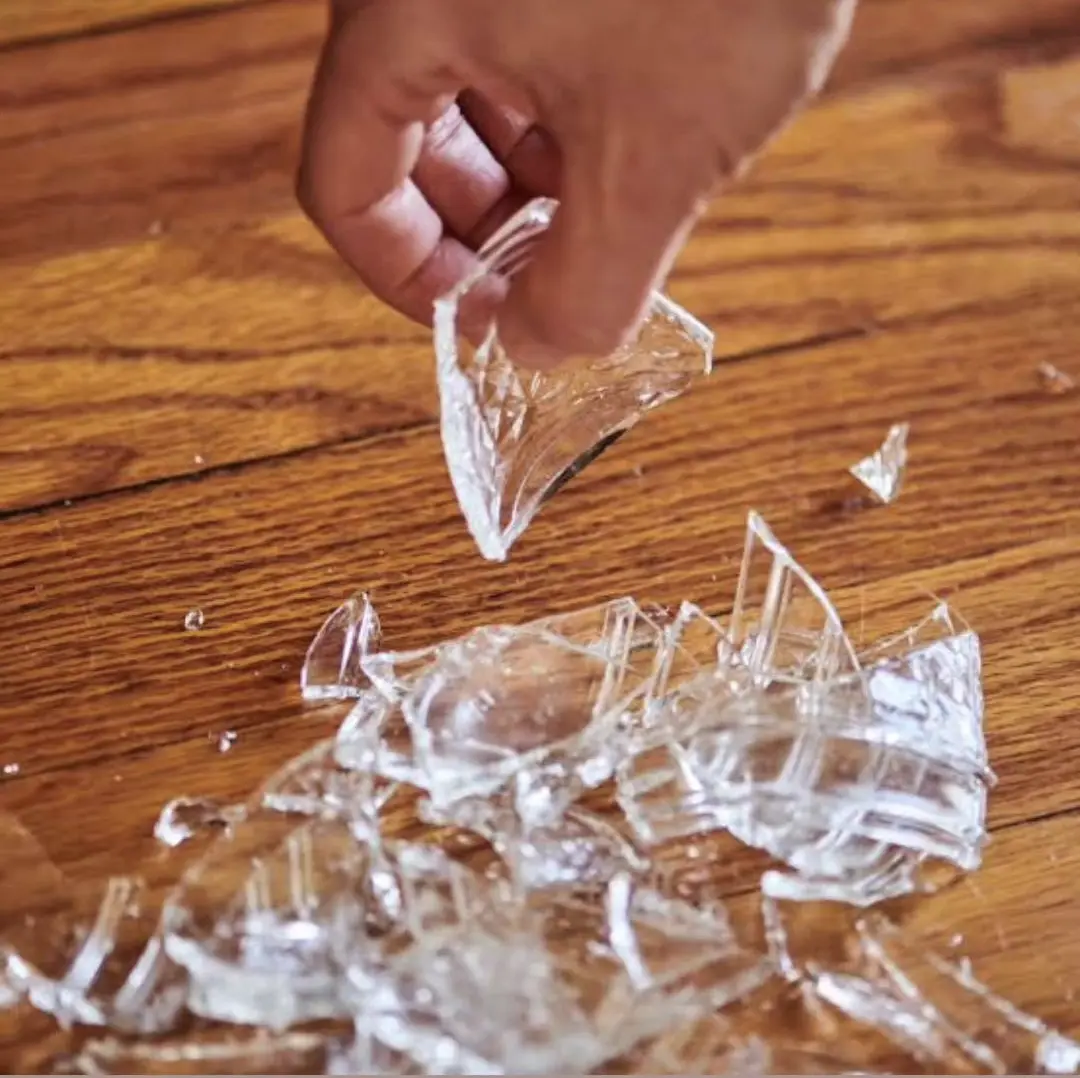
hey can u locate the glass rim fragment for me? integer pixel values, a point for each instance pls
(511, 437)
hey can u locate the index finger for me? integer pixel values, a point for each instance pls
(363, 133)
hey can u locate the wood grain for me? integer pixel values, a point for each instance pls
(199, 409)
(194, 320)
(25, 21)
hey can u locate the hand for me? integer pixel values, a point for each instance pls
(432, 121)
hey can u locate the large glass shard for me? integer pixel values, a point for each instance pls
(69, 955)
(545, 707)
(783, 624)
(332, 669)
(579, 982)
(937, 1011)
(513, 437)
(264, 923)
(882, 473)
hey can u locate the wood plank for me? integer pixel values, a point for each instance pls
(26, 21)
(96, 595)
(235, 334)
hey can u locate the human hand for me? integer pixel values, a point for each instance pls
(432, 121)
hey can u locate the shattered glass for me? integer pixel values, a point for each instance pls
(620, 839)
(882, 473)
(514, 437)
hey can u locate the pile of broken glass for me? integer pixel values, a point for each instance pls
(517, 856)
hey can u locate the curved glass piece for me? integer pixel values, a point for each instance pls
(514, 437)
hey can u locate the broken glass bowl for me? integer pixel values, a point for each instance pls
(513, 437)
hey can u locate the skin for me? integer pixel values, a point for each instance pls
(432, 121)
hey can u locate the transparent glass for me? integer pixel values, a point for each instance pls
(514, 437)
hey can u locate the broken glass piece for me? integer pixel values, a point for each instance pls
(1053, 380)
(183, 817)
(314, 784)
(543, 706)
(937, 1011)
(783, 624)
(194, 620)
(267, 921)
(861, 779)
(580, 850)
(332, 669)
(366, 1055)
(65, 958)
(882, 473)
(513, 437)
(374, 738)
(202, 1052)
(580, 982)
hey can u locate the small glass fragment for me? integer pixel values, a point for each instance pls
(937, 1011)
(332, 669)
(882, 473)
(226, 740)
(231, 1052)
(1053, 380)
(514, 437)
(11, 769)
(183, 817)
(194, 620)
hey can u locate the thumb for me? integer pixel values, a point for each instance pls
(621, 223)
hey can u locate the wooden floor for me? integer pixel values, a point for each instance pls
(199, 409)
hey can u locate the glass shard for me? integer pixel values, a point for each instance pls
(512, 437)
(937, 1011)
(542, 708)
(315, 784)
(204, 1052)
(580, 982)
(864, 775)
(1053, 380)
(194, 620)
(332, 669)
(783, 624)
(184, 817)
(70, 953)
(882, 473)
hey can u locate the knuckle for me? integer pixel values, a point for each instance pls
(445, 129)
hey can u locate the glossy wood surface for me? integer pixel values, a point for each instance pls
(200, 409)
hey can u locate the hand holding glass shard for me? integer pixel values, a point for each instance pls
(882, 473)
(513, 437)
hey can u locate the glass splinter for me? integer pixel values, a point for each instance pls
(938, 1011)
(332, 668)
(1054, 380)
(183, 817)
(882, 473)
(513, 437)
